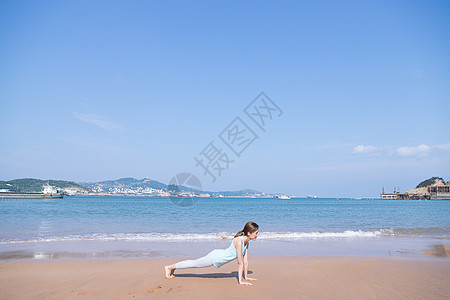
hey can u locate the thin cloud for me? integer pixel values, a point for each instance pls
(443, 146)
(364, 149)
(98, 121)
(420, 151)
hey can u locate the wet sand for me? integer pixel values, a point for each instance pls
(278, 278)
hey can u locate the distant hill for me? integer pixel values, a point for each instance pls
(124, 183)
(431, 181)
(28, 185)
(134, 186)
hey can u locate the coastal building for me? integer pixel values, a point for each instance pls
(439, 189)
(439, 192)
(396, 195)
(389, 196)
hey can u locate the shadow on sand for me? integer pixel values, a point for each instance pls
(211, 275)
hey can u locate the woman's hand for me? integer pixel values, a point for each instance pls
(249, 278)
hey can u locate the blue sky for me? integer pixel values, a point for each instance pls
(97, 90)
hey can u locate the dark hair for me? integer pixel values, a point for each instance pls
(249, 227)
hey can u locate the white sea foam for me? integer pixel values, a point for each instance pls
(321, 235)
(180, 237)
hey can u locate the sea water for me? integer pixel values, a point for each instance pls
(155, 227)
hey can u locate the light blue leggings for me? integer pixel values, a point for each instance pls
(201, 262)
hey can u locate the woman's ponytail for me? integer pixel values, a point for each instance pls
(249, 227)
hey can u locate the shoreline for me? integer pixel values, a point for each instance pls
(278, 278)
(120, 249)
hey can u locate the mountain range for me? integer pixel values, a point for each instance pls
(146, 184)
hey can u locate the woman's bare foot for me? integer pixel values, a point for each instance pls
(169, 272)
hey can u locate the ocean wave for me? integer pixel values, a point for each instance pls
(180, 237)
(420, 231)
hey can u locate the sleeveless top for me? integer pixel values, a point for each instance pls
(219, 257)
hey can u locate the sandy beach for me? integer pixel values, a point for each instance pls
(278, 278)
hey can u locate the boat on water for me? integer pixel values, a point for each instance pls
(282, 196)
(48, 192)
(312, 196)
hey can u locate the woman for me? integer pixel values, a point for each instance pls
(238, 249)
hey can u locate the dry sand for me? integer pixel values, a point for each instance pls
(278, 278)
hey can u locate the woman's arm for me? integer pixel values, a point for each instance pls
(246, 265)
(240, 259)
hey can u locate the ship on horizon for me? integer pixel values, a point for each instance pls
(282, 196)
(48, 192)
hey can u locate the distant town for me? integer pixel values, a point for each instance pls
(434, 188)
(120, 187)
